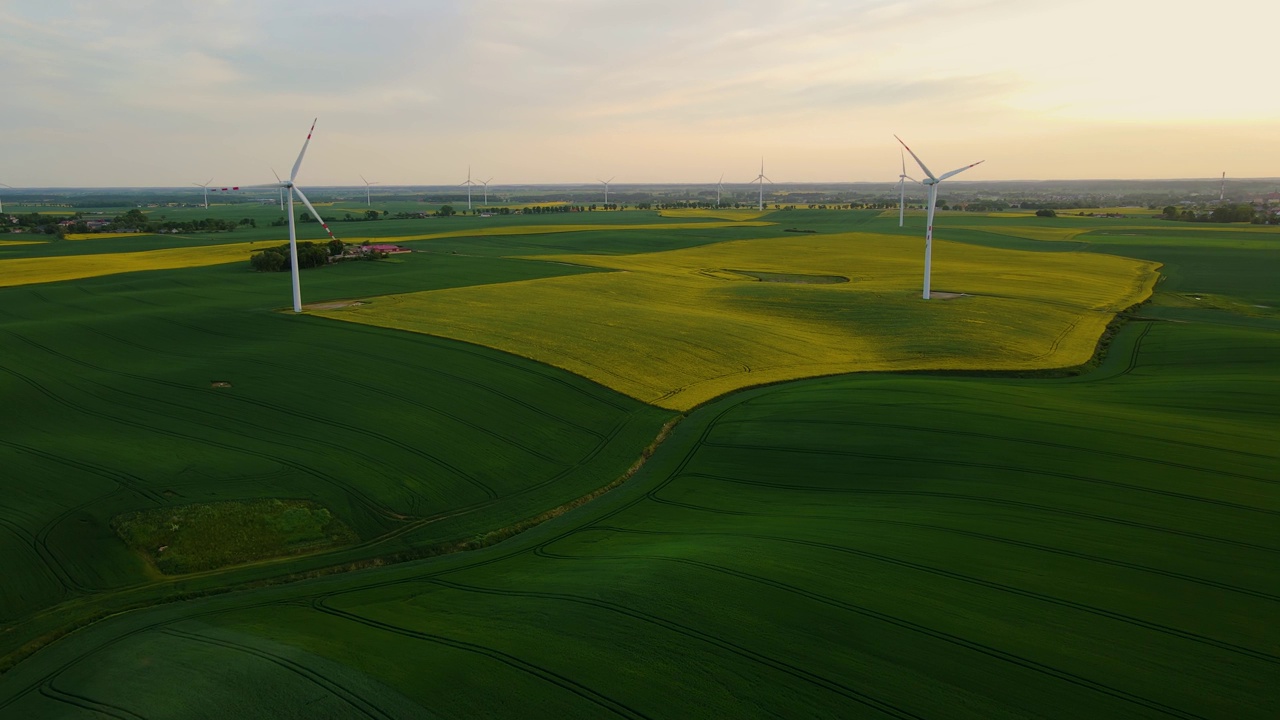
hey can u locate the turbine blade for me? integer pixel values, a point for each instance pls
(294, 175)
(957, 172)
(315, 214)
(273, 172)
(366, 182)
(917, 159)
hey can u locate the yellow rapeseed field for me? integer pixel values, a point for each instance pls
(27, 271)
(1024, 231)
(4, 243)
(552, 229)
(679, 328)
(718, 213)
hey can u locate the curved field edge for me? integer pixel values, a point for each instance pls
(1041, 600)
(670, 329)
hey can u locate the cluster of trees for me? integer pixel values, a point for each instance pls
(32, 223)
(368, 215)
(1046, 212)
(310, 254)
(1227, 213)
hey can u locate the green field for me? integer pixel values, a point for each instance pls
(865, 545)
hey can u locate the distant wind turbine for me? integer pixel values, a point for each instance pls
(469, 182)
(293, 233)
(606, 189)
(931, 182)
(206, 192)
(485, 183)
(761, 179)
(2, 201)
(1222, 192)
(367, 196)
(719, 188)
(902, 187)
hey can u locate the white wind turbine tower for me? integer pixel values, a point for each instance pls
(719, 188)
(293, 232)
(606, 189)
(902, 187)
(931, 182)
(485, 183)
(469, 182)
(2, 201)
(1222, 192)
(761, 179)
(206, 192)
(367, 197)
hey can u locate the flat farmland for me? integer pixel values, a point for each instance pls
(873, 544)
(678, 328)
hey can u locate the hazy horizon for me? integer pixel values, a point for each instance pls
(549, 92)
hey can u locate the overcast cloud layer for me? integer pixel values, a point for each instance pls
(120, 93)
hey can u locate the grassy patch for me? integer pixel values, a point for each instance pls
(206, 536)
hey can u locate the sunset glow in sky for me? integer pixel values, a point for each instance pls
(116, 93)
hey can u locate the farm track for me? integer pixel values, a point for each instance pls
(602, 701)
(333, 688)
(268, 407)
(893, 620)
(696, 635)
(969, 579)
(1078, 449)
(94, 706)
(1007, 468)
(976, 499)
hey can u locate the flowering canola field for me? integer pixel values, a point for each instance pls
(26, 271)
(678, 328)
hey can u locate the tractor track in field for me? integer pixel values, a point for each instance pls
(697, 636)
(293, 412)
(1004, 468)
(990, 584)
(972, 498)
(902, 623)
(1077, 449)
(369, 503)
(981, 536)
(599, 699)
(332, 687)
(372, 389)
(93, 706)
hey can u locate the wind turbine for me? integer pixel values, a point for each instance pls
(2, 201)
(206, 192)
(719, 187)
(469, 183)
(367, 196)
(761, 179)
(902, 187)
(485, 183)
(931, 182)
(606, 189)
(1222, 192)
(293, 232)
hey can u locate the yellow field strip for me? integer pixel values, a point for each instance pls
(721, 213)
(678, 328)
(7, 243)
(28, 271)
(551, 229)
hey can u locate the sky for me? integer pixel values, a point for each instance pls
(113, 93)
